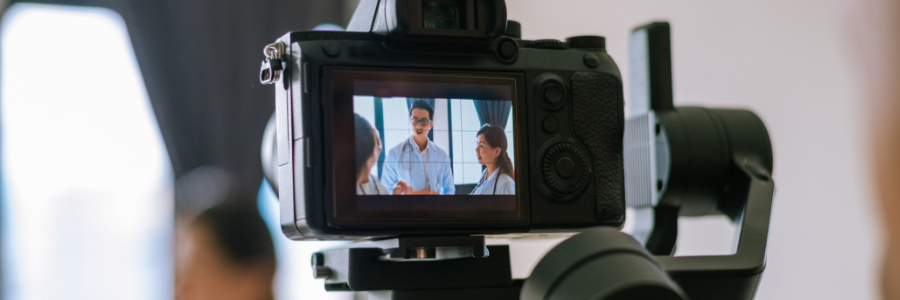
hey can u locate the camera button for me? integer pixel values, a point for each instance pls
(551, 125)
(548, 44)
(513, 29)
(332, 49)
(591, 60)
(565, 167)
(507, 50)
(553, 95)
(587, 42)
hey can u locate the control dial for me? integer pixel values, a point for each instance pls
(565, 168)
(547, 44)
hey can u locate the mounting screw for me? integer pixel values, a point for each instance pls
(317, 259)
(321, 272)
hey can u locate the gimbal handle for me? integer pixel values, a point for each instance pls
(732, 276)
(605, 264)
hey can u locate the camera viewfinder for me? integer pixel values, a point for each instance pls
(444, 14)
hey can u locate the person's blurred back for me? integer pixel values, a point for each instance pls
(229, 255)
(875, 34)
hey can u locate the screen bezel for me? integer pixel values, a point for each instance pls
(338, 104)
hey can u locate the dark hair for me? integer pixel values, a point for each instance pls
(240, 233)
(365, 142)
(496, 137)
(423, 105)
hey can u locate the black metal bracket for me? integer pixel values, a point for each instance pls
(395, 268)
(733, 276)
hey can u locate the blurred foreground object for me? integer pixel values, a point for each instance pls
(223, 246)
(875, 34)
(230, 255)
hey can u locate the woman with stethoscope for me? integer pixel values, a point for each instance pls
(498, 174)
(368, 148)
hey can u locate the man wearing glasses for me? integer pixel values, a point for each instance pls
(418, 166)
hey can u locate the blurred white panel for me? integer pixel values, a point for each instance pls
(510, 141)
(364, 106)
(441, 130)
(707, 235)
(87, 212)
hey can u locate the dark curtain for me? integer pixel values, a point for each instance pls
(379, 125)
(430, 101)
(200, 63)
(493, 112)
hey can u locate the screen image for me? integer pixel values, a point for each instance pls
(466, 154)
(434, 143)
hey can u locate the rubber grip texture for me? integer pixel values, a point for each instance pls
(599, 122)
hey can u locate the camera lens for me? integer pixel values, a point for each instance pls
(444, 14)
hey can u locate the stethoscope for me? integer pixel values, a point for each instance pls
(371, 180)
(407, 152)
(483, 179)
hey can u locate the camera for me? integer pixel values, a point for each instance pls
(429, 124)
(434, 118)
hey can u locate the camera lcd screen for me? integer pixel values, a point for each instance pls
(441, 146)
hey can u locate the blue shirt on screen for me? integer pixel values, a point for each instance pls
(405, 162)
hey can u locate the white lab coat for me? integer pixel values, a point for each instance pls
(373, 187)
(404, 163)
(497, 184)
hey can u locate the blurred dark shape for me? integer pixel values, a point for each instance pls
(200, 60)
(241, 234)
(224, 249)
(203, 188)
(229, 255)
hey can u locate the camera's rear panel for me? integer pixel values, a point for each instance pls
(577, 178)
(570, 121)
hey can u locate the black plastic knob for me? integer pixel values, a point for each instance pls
(507, 49)
(591, 60)
(551, 124)
(565, 168)
(546, 44)
(332, 49)
(553, 95)
(513, 29)
(587, 42)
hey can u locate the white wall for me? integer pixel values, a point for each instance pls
(789, 62)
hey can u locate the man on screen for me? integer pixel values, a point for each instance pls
(418, 166)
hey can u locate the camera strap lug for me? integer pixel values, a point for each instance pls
(272, 67)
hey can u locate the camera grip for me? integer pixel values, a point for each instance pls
(598, 122)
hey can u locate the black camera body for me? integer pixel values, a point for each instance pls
(567, 122)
